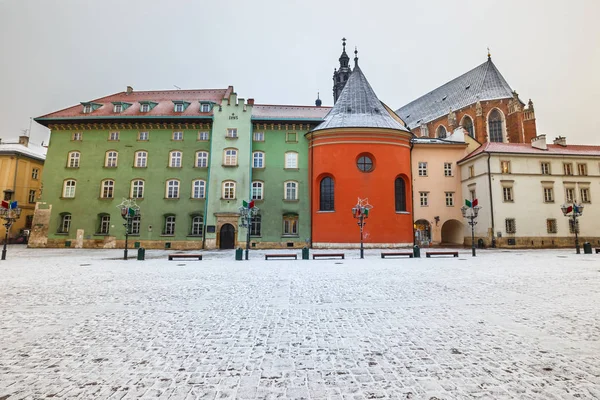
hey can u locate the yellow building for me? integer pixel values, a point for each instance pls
(21, 166)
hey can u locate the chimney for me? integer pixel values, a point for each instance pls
(250, 102)
(129, 90)
(561, 141)
(24, 140)
(539, 142)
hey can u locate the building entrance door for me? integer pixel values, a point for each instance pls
(227, 237)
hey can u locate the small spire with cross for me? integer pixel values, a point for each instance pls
(355, 57)
(489, 54)
(344, 43)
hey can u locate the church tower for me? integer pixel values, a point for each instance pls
(340, 76)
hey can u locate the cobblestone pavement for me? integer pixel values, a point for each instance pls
(503, 325)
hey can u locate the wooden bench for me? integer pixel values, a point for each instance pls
(172, 256)
(329, 255)
(398, 254)
(442, 253)
(267, 256)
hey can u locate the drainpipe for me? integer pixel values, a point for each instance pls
(491, 198)
(250, 164)
(210, 154)
(310, 187)
(412, 194)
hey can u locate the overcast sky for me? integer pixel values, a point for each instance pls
(57, 53)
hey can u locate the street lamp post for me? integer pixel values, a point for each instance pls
(9, 215)
(471, 213)
(361, 213)
(247, 212)
(573, 212)
(129, 210)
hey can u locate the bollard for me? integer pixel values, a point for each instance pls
(416, 251)
(305, 253)
(141, 256)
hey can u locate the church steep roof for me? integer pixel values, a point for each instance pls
(483, 82)
(359, 107)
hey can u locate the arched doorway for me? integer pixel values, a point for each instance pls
(227, 237)
(453, 232)
(422, 232)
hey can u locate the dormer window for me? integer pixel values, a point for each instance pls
(204, 107)
(87, 109)
(90, 107)
(145, 108)
(118, 108)
(178, 107)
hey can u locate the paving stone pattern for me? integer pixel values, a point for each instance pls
(505, 325)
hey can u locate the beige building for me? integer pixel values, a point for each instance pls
(521, 187)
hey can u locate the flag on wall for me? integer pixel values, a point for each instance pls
(13, 205)
(5, 204)
(474, 203)
(248, 205)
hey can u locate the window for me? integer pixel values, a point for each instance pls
(179, 107)
(568, 168)
(172, 189)
(495, 130)
(169, 225)
(291, 160)
(582, 169)
(365, 164)
(111, 159)
(113, 136)
(136, 223)
(510, 225)
(228, 192)
(143, 136)
(422, 168)
(258, 136)
(545, 168)
(145, 108)
(255, 225)
(471, 171)
(291, 190)
(203, 136)
(118, 108)
(505, 167)
(441, 132)
(178, 135)
(69, 189)
(141, 159)
(449, 199)
(28, 221)
(447, 169)
(35, 173)
(108, 189)
(424, 199)
(202, 159)
(137, 189)
(175, 159)
(507, 193)
(468, 125)
(198, 189)
(291, 137)
(65, 223)
(570, 195)
(74, 157)
(104, 225)
(231, 133)
(197, 224)
(205, 108)
(258, 159)
(8, 195)
(551, 226)
(230, 157)
(32, 196)
(290, 225)
(257, 190)
(548, 195)
(472, 194)
(87, 109)
(584, 192)
(327, 194)
(573, 226)
(76, 136)
(400, 194)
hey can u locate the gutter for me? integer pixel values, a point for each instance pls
(491, 197)
(15, 178)
(210, 138)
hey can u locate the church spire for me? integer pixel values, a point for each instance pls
(341, 75)
(355, 57)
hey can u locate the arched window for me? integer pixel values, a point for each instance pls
(258, 159)
(291, 160)
(172, 189)
(202, 159)
(441, 132)
(198, 189)
(175, 159)
(291, 190)
(327, 195)
(197, 224)
(111, 159)
(65, 223)
(230, 157)
(137, 189)
(169, 228)
(228, 190)
(400, 194)
(141, 159)
(257, 190)
(103, 224)
(73, 161)
(467, 123)
(69, 188)
(495, 122)
(108, 189)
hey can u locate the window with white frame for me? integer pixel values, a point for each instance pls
(178, 136)
(507, 193)
(145, 108)
(548, 195)
(175, 159)
(141, 159)
(258, 159)
(74, 157)
(65, 223)
(172, 189)
(585, 195)
(510, 225)
(291, 160)
(473, 194)
(258, 136)
(143, 136)
(290, 225)
(449, 199)
(582, 169)
(169, 228)
(35, 173)
(257, 190)
(545, 168)
(87, 109)
(205, 108)
(228, 190)
(255, 225)
(203, 136)
(291, 190)
(113, 136)
(447, 169)
(198, 189)
(179, 107)
(570, 195)
(551, 225)
(111, 159)
(77, 136)
(69, 189)
(136, 224)
(230, 157)
(568, 168)
(137, 189)
(108, 189)
(201, 159)
(471, 171)
(231, 133)
(31, 196)
(118, 108)
(422, 168)
(197, 225)
(104, 224)
(424, 199)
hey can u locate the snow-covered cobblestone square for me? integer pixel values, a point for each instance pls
(506, 324)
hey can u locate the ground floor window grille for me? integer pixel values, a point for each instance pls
(511, 226)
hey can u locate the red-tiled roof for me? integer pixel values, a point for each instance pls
(282, 112)
(525, 148)
(164, 98)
